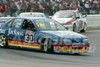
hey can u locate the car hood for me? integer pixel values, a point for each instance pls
(63, 20)
(64, 34)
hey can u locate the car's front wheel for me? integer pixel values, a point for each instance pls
(75, 29)
(3, 41)
(84, 28)
(48, 47)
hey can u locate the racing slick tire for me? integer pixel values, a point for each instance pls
(47, 46)
(3, 41)
(84, 28)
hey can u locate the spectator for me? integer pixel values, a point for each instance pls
(73, 6)
(9, 14)
(55, 7)
(47, 6)
(87, 7)
(98, 7)
(2, 8)
(41, 8)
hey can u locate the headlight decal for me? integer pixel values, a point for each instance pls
(63, 41)
(68, 41)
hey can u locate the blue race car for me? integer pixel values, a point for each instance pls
(42, 34)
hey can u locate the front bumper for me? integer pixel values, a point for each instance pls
(71, 49)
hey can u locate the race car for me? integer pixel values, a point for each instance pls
(4, 19)
(72, 19)
(33, 14)
(42, 34)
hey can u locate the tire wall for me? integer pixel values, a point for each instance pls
(93, 20)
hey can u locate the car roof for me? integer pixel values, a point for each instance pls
(73, 11)
(32, 13)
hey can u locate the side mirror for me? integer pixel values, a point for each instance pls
(77, 17)
(84, 14)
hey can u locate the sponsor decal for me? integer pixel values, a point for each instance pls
(80, 23)
(57, 48)
(70, 48)
(15, 32)
(22, 43)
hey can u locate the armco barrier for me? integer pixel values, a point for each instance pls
(93, 20)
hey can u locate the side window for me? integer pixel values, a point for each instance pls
(28, 25)
(17, 23)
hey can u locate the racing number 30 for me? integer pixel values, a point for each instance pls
(29, 37)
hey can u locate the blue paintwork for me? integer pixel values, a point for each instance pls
(40, 35)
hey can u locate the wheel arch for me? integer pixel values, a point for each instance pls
(3, 34)
(42, 41)
(50, 45)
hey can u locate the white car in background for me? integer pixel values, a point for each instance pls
(72, 20)
(32, 14)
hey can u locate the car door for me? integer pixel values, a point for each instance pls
(15, 34)
(79, 21)
(83, 19)
(30, 35)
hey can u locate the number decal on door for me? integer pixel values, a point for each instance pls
(29, 37)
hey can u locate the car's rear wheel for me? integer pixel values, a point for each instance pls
(47, 46)
(3, 41)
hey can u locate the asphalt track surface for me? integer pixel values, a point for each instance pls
(13, 57)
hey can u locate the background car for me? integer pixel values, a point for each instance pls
(33, 14)
(71, 19)
(42, 34)
(4, 19)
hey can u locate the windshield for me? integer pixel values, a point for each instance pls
(49, 26)
(64, 15)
